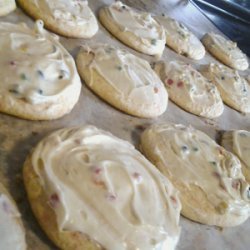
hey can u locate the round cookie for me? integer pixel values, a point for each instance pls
(189, 89)
(12, 234)
(238, 142)
(181, 39)
(125, 81)
(212, 188)
(225, 50)
(136, 29)
(71, 18)
(91, 190)
(39, 80)
(7, 6)
(234, 89)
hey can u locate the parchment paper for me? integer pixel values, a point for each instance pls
(17, 136)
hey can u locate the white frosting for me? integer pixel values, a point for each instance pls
(189, 89)
(101, 186)
(11, 233)
(234, 89)
(72, 12)
(193, 158)
(130, 76)
(241, 145)
(182, 40)
(34, 65)
(141, 24)
(233, 56)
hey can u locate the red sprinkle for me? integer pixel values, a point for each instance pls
(173, 199)
(98, 170)
(180, 84)
(156, 90)
(13, 63)
(111, 197)
(54, 199)
(169, 81)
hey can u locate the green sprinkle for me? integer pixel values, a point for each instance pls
(213, 163)
(40, 73)
(23, 76)
(13, 91)
(153, 41)
(184, 148)
(195, 149)
(119, 68)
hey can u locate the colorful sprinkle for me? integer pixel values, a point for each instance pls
(153, 41)
(119, 68)
(213, 163)
(23, 76)
(40, 91)
(195, 149)
(14, 91)
(137, 177)
(111, 197)
(12, 63)
(184, 148)
(180, 84)
(156, 90)
(40, 73)
(54, 200)
(163, 14)
(169, 81)
(242, 134)
(222, 78)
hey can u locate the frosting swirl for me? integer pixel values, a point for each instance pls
(101, 186)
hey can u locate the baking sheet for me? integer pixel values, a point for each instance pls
(18, 136)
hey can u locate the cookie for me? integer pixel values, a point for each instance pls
(212, 188)
(189, 89)
(71, 18)
(7, 6)
(39, 80)
(233, 88)
(12, 234)
(91, 190)
(238, 142)
(181, 39)
(122, 79)
(134, 28)
(225, 50)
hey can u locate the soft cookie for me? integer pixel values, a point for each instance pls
(181, 39)
(225, 50)
(234, 89)
(212, 188)
(136, 29)
(72, 18)
(39, 80)
(189, 89)
(91, 190)
(122, 79)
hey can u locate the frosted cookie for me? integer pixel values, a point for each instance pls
(225, 50)
(238, 142)
(136, 29)
(71, 18)
(39, 80)
(12, 235)
(212, 188)
(125, 81)
(233, 88)
(7, 6)
(189, 89)
(91, 190)
(180, 39)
